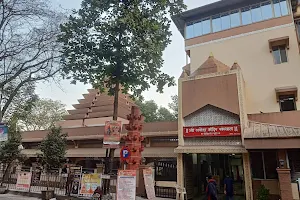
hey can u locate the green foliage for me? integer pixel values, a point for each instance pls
(263, 193)
(153, 113)
(113, 42)
(53, 149)
(174, 105)
(42, 115)
(10, 150)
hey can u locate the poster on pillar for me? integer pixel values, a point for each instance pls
(149, 183)
(126, 185)
(112, 134)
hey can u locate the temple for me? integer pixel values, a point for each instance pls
(238, 108)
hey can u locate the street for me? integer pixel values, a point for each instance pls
(15, 197)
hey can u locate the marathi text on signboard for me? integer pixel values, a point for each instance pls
(126, 186)
(149, 183)
(3, 133)
(212, 131)
(112, 134)
(89, 183)
(24, 180)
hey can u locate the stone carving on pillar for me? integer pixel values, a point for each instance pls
(247, 175)
(133, 140)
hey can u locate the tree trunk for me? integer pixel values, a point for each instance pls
(115, 118)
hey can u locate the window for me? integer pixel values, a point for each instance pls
(246, 16)
(216, 23)
(206, 28)
(198, 28)
(280, 8)
(243, 16)
(279, 54)
(266, 9)
(264, 164)
(189, 33)
(287, 102)
(298, 29)
(235, 18)
(256, 13)
(284, 8)
(277, 8)
(225, 21)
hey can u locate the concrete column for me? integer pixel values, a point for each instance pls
(284, 176)
(247, 176)
(180, 172)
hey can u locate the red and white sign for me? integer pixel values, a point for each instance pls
(126, 186)
(23, 180)
(212, 131)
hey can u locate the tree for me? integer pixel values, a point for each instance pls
(53, 149)
(115, 45)
(42, 115)
(10, 150)
(153, 113)
(174, 105)
(28, 48)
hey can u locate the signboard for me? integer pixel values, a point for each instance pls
(149, 183)
(75, 176)
(112, 134)
(23, 180)
(126, 185)
(125, 153)
(3, 133)
(89, 183)
(212, 131)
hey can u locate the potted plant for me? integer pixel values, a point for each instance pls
(263, 193)
(53, 151)
(10, 153)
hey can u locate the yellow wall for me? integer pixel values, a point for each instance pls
(260, 73)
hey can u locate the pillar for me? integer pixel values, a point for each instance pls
(284, 176)
(133, 140)
(180, 178)
(247, 176)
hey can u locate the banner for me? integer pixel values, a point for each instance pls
(89, 183)
(126, 186)
(3, 133)
(212, 131)
(112, 134)
(76, 173)
(149, 183)
(24, 180)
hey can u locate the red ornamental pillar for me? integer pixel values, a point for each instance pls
(133, 140)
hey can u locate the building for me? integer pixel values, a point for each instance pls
(85, 128)
(238, 97)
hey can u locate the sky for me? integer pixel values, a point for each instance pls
(174, 59)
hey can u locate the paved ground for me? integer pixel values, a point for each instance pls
(15, 197)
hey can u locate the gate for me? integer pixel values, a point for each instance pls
(165, 171)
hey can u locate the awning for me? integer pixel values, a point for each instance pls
(151, 152)
(211, 149)
(271, 136)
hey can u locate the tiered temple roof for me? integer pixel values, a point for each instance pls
(99, 105)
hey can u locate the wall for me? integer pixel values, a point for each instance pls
(88, 122)
(261, 75)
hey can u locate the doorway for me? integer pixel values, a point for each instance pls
(198, 166)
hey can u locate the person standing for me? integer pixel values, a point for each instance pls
(211, 189)
(228, 187)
